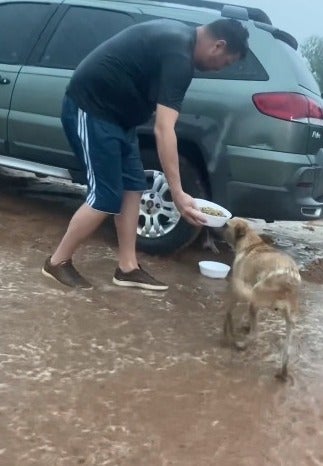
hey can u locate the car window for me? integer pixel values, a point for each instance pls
(20, 26)
(301, 69)
(248, 69)
(80, 31)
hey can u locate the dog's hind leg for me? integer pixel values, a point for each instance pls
(283, 374)
(253, 316)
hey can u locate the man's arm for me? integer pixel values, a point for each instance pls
(168, 155)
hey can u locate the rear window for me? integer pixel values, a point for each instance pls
(248, 69)
(301, 69)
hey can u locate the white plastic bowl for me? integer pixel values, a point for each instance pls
(214, 221)
(214, 269)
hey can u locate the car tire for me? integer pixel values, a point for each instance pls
(176, 234)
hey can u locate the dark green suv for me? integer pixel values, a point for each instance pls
(250, 137)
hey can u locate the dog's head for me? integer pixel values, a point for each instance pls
(235, 231)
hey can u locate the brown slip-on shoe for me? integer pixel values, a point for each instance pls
(65, 273)
(138, 278)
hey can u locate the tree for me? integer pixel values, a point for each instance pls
(312, 49)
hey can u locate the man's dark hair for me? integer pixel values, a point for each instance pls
(232, 31)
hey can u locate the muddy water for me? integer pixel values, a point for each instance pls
(118, 377)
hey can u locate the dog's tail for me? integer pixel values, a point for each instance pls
(282, 280)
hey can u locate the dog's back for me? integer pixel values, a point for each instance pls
(266, 275)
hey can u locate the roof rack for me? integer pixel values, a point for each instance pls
(254, 14)
(279, 34)
(236, 12)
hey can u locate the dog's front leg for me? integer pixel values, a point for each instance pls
(228, 328)
(253, 316)
(252, 336)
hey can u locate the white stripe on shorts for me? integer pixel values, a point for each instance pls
(83, 135)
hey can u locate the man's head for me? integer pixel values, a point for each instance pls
(220, 44)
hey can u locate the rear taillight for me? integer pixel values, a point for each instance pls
(289, 106)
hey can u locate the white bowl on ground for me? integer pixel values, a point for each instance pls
(212, 220)
(214, 269)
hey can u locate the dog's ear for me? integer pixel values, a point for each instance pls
(240, 230)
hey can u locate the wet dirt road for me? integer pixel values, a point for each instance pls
(132, 378)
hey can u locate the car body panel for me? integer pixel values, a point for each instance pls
(34, 126)
(253, 163)
(9, 73)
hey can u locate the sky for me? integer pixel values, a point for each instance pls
(301, 18)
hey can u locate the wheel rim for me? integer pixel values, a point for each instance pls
(158, 215)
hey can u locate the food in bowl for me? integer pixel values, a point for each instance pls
(215, 215)
(211, 211)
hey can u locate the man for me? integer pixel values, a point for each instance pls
(144, 69)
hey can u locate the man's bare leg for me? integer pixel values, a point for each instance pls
(128, 272)
(126, 225)
(84, 222)
(59, 267)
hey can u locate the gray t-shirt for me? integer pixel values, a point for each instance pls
(124, 78)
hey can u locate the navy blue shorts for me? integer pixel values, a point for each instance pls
(109, 154)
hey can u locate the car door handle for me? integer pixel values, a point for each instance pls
(4, 80)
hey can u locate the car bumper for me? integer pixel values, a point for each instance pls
(301, 199)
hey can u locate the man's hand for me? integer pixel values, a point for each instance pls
(187, 208)
(168, 156)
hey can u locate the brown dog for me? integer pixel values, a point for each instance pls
(263, 277)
